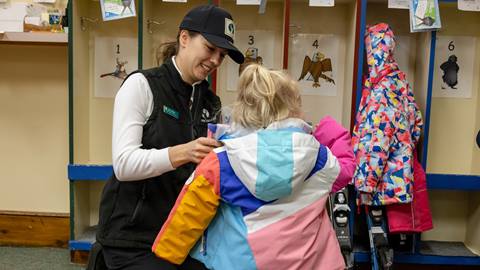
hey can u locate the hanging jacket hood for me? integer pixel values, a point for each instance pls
(380, 44)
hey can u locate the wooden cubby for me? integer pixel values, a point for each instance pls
(447, 146)
(92, 41)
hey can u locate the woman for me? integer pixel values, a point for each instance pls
(159, 128)
(263, 194)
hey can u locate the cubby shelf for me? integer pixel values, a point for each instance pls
(34, 38)
(80, 172)
(85, 172)
(85, 241)
(453, 182)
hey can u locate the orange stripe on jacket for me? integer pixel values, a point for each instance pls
(210, 169)
(185, 225)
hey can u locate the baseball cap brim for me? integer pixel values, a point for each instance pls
(220, 42)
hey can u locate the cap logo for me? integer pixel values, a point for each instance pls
(229, 28)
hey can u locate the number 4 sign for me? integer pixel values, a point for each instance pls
(313, 60)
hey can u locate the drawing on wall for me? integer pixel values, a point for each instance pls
(313, 61)
(315, 68)
(257, 46)
(119, 72)
(454, 58)
(114, 58)
(117, 9)
(450, 72)
(424, 15)
(251, 56)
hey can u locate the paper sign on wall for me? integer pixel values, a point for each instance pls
(257, 46)
(469, 5)
(321, 3)
(313, 60)
(248, 2)
(11, 17)
(424, 15)
(399, 4)
(114, 59)
(117, 9)
(454, 62)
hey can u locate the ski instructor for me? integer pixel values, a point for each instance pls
(159, 133)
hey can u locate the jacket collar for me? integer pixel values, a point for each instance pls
(224, 131)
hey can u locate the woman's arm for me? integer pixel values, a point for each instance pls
(133, 107)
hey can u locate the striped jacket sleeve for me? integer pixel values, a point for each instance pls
(194, 209)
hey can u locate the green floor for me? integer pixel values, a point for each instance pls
(27, 258)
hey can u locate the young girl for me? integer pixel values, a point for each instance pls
(263, 194)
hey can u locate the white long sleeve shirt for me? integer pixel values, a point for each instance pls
(132, 109)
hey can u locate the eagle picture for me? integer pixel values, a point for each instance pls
(316, 67)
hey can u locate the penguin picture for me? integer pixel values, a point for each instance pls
(478, 139)
(450, 72)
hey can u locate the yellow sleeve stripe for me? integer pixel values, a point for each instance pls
(195, 208)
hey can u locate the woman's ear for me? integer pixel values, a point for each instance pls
(183, 38)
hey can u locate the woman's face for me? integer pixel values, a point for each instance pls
(199, 57)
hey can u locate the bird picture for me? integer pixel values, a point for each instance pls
(316, 66)
(478, 139)
(251, 56)
(450, 70)
(126, 4)
(428, 21)
(119, 72)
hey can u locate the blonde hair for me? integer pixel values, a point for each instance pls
(265, 96)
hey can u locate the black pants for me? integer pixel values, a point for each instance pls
(143, 259)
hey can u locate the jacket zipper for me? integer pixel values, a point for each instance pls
(193, 110)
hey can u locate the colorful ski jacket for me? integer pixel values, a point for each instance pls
(388, 126)
(263, 198)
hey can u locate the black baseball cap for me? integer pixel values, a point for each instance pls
(215, 25)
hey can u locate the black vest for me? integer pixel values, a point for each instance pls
(132, 213)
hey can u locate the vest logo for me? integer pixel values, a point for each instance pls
(171, 112)
(229, 28)
(207, 117)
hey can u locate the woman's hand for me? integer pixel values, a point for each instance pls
(193, 151)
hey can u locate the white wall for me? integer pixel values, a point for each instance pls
(33, 128)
